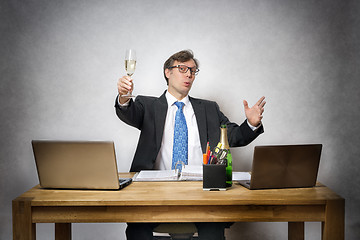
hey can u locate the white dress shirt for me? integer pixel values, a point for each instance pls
(164, 158)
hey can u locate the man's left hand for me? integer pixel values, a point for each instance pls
(254, 114)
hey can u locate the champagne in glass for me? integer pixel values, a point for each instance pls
(130, 65)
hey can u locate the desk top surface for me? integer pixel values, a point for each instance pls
(177, 193)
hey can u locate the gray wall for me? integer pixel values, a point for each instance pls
(60, 61)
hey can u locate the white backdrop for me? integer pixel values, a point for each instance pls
(60, 61)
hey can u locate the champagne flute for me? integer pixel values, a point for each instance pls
(130, 64)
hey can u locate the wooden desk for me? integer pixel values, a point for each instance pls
(178, 202)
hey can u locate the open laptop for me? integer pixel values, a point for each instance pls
(284, 166)
(77, 165)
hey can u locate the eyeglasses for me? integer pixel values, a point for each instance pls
(184, 69)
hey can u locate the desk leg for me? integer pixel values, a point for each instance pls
(23, 228)
(296, 230)
(334, 226)
(62, 231)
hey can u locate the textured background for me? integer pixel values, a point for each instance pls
(60, 61)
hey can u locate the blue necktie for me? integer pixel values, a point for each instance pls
(180, 147)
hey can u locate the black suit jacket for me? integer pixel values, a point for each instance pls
(148, 114)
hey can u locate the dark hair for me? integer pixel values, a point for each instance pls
(182, 56)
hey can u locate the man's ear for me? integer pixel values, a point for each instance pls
(167, 73)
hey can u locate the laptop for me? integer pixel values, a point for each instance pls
(77, 165)
(284, 166)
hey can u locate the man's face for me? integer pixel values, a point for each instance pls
(180, 83)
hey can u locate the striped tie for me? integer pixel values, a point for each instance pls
(180, 147)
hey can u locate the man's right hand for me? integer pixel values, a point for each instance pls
(125, 85)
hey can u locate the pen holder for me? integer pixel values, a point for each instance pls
(214, 177)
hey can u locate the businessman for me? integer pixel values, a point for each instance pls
(159, 118)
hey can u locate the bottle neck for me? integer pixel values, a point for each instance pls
(224, 139)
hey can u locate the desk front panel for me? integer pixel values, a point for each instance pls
(256, 213)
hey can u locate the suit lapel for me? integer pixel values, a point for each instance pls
(200, 114)
(160, 106)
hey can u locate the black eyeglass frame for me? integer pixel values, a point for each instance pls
(193, 72)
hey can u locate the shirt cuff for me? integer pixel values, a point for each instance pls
(124, 104)
(252, 127)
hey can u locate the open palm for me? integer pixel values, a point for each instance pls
(254, 114)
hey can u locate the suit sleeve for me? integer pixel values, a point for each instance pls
(242, 135)
(238, 135)
(133, 114)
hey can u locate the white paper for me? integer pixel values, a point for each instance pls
(238, 176)
(156, 175)
(191, 173)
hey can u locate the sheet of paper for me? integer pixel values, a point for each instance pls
(191, 173)
(156, 175)
(238, 176)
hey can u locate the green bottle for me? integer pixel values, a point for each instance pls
(225, 146)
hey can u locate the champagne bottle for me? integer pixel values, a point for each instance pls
(225, 147)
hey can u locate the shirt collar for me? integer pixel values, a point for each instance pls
(171, 99)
